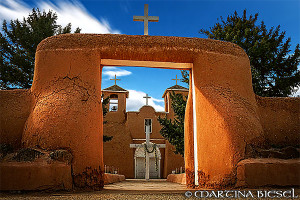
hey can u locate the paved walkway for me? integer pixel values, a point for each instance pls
(130, 189)
(141, 185)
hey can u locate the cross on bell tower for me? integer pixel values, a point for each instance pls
(176, 79)
(146, 19)
(115, 79)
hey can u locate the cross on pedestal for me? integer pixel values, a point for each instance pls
(147, 97)
(115, 79)
(146, 19)
(147, 174)
(176, 79)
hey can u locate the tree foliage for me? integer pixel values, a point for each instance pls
(105, 102)
(273, 65)
(173, 130)
(18, 43)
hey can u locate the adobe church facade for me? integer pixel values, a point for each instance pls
(129, 128)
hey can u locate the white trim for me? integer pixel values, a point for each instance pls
(195, 132)
(137, 63)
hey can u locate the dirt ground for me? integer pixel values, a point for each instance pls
(129, 189)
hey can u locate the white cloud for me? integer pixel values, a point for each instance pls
(67, 11)
(136, 101)
(297, 94)
(112, 71)
(12, 9)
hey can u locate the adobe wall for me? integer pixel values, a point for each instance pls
(15, 107)
(67, 111)
(226, 114)
(38, 175)
(280, 119)
(189, 140)
(268, 172)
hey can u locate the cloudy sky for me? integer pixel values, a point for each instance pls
(176, 18)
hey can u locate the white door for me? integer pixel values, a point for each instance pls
(141, 169)
(153, 171)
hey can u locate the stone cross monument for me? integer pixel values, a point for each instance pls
(149, 146)
(147, 174)
(146, 19)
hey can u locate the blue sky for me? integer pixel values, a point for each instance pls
(176, 18)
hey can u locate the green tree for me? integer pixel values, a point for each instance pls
(105, 102)
(18, 43)
(273, 65)
(173, 130)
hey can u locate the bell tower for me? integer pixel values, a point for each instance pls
(117, 102)
(177, 89)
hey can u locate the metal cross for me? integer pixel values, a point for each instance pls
(147, 97)
(146, 19)
(176, 79)
(115, 79)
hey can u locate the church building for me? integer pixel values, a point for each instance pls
(124, 152)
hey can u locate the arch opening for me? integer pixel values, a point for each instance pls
(148, 64)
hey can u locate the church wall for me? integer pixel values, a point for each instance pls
(136, 127)
(280, 119)
(136, 124)
(15, 107)
(117, 152)
(172, 160)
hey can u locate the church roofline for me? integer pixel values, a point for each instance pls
(116, 89)
(171, 89)
(164, 112)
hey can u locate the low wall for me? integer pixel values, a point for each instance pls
(35, 176)
(268, 172)
(280, 120)
(113, 178)
(15, 107)
(177, 178)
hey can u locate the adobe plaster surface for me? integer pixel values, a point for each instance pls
(268, 172)
(37, 175)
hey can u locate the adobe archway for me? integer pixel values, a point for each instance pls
(67, 111)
